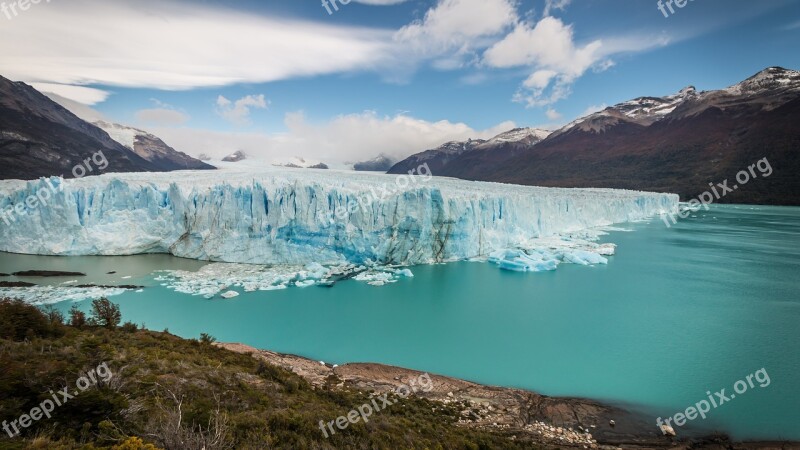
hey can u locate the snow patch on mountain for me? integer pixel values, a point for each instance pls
(235, 157)
(120, 133)
(528, 136)
(772, 78)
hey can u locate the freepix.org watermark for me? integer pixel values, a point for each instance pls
(416, 177)
(663, 6)
(716, 400)
(13, 8)
(45, 409)
(327, 4)
(721, 190)
(43, 195)
(363, 412)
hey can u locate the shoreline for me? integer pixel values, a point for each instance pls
(516, 413)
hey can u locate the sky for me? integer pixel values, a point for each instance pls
(340, 82)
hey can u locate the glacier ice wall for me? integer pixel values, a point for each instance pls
(292, 216)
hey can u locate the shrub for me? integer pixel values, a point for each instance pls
(105, 313)
(77, 318)
(134, 443)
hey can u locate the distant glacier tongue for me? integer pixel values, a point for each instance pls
(295, 216)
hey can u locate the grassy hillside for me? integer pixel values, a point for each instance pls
(161, 391)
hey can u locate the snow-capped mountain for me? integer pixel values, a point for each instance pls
(495, 149)
(235, 156)
(298, 162)
(436, 159)
(773, 80)
(380, 163)
(150, 147)
(766, 90)
(524, 136)
(678, 143)
(643, 111)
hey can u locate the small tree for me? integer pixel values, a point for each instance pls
(77, 318)
(207, 339)
(55, 316)
(105, 313)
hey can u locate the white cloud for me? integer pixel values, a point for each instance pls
(134, 44)
(94, 48)
(550, 5)
(548, 45)
(553, 115)
(457, 24)
(346, 138)
(592, 109)
(161, 116)
(238, 112)
(549, 49)
(380, 2)
(84, 112)
(81, 94)
(791, 26)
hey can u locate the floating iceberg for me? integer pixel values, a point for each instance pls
(522, 261)
(277, 216)
(45, 295)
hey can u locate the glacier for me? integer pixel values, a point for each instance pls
(295, 217)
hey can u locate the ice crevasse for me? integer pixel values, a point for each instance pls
(294, 216)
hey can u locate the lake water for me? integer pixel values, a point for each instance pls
(677, 312)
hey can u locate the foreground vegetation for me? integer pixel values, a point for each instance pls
(172, 393)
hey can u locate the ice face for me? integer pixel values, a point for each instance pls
(299, 216)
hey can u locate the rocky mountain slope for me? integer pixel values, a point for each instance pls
(380, 163)
(449, 156)
(235, 156)
(151, 148)
(39, 137)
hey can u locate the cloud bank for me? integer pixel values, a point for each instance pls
(346, 138)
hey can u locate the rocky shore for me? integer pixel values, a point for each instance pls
(547, 421)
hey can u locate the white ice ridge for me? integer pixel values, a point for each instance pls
(283, 216)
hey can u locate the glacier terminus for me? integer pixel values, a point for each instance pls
(317, 219)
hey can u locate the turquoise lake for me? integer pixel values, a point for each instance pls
(677, 312)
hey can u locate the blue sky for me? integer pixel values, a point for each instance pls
(281, 78)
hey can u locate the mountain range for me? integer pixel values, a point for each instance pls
(298, 162)
(678, 143)
(39, 138)
(450, 157)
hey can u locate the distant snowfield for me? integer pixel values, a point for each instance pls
(308, 224)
